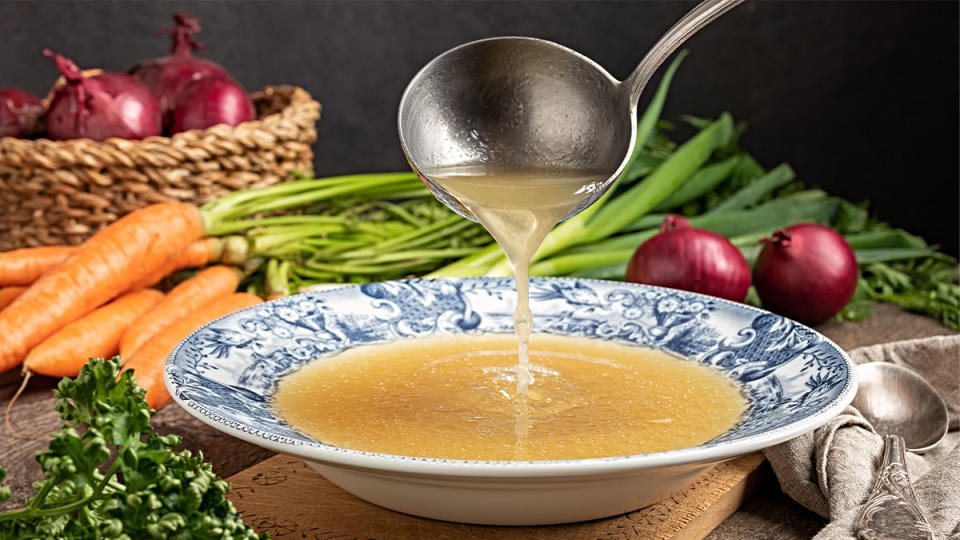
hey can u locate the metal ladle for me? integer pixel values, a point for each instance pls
(910, 415)
(526, 102)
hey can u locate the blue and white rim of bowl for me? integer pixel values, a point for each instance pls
(649, 312)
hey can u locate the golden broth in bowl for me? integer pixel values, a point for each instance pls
(456, 397)
(510, 397)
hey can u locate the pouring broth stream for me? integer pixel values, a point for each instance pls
(518, 206)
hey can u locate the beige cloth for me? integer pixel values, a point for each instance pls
(832, 469)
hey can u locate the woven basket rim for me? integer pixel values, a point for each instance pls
(299, 105)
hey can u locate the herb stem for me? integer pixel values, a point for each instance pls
(31, 513)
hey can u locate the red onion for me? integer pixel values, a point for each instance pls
(99, 107)
(168, 75)
(20, 113)
(210, 101)
(806, 272)
(695, 260)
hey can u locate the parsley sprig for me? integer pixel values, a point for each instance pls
(108, 475)
(929, 285)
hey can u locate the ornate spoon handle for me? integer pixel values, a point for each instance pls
(892, 511)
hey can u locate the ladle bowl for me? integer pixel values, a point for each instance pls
(523, 102)
(515, 101)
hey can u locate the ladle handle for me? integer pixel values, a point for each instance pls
(892, 510)
(697, 18)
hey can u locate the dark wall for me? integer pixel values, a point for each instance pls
(860, 97)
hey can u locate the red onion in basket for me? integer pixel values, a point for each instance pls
(208, 102)
(20, 113)
(168, 75)
(99, 107)
(695, 260)
(806, 272)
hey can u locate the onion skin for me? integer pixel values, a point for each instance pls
(208, 102)
(806, 272)
(691, 259)
(168, 75)
(100, 107)
(20, 113)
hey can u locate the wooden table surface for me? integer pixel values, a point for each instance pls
(770, 514)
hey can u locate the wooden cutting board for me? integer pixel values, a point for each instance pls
(286, 498)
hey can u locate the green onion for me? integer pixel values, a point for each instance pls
(701, 182)
(757, 190)
(865, 256)
(891, 238)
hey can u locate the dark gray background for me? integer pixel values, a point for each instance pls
(861, 98)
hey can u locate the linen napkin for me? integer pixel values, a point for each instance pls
(832, 469)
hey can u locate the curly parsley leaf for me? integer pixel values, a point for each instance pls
(114, 477)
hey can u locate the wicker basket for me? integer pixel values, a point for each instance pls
(61, 192)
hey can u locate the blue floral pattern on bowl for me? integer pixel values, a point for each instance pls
(226, 371)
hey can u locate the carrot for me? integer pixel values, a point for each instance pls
(9, 294)
(94, 335)
(184, 299)
(104, 266)
(24, 266)
(147, 362)
(199, 253)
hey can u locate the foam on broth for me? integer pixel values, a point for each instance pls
(456, 397)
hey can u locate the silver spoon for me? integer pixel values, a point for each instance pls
(911, 415)
(526, 102)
